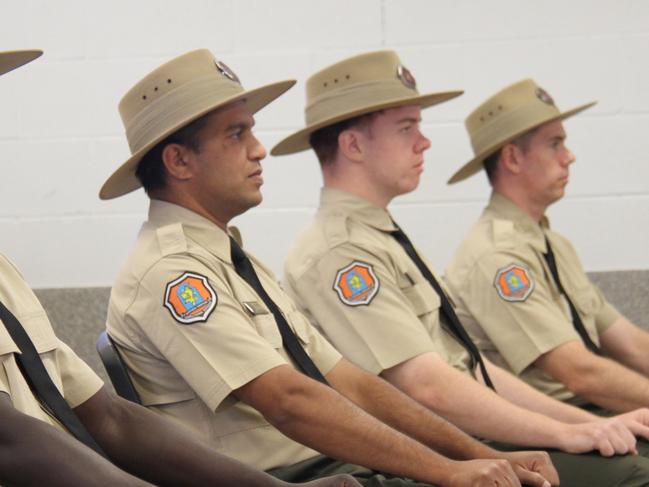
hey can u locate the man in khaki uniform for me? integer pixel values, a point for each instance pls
(353, 273)
(211, 339)
(558, 333)
(36, 447)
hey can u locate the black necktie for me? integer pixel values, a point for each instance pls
(41, 383)
(244, 268)
(576, 319)
(448, 312)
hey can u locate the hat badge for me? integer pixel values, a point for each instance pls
(544, 96)
(406, 77)
(225, 70)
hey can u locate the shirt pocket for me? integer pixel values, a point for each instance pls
(301, 326)
(267, 328)
(423, 298)
(585, 300)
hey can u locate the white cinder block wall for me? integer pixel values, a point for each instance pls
(60, 135)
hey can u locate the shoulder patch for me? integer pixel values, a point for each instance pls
(514, 283)
(190, 298)
(356, 284)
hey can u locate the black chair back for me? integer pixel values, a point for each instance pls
(116, 369)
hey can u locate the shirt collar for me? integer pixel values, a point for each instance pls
(502, 207)
(336, 201)
(196, 227)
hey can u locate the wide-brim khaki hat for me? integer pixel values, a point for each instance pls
(172, 96)
(353, 87)
(10, 60)
(508, 114)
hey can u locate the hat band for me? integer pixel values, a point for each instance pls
(176, 107)
(358, 96)
(508, 124)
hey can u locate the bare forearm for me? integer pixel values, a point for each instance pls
(518, 392)
(34, 453)
(627, 343)
(613, 387)
(396, 409)
(479, 411)
(151, 447)
(321, 418)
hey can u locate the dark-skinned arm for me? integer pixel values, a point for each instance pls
(320, 417)
(153, 448)
(33, 452)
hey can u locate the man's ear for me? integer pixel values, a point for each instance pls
(178, 161)
(511, 158)
(351, 144)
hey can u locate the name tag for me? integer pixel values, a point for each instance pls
(254, 308)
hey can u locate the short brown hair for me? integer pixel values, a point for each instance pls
(325, 140)
(490, 163)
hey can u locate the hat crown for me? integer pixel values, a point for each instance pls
(353, 87)
(520, 94)
(160, 95)
(360, 80)
(372, 67)
(522, 105)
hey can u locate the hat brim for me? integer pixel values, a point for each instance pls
(124, 180)
(475, 165)
(11, 60)
(299, 141)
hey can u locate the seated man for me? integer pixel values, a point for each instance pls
(211, 339)
(519, 285)
(41, 379)
(356, 274)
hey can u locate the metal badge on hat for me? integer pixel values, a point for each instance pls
(406, 77)
(225, 70)
(544, 96)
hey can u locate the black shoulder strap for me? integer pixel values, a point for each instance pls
(576, 319)
(41, 383)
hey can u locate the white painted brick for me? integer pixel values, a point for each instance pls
(608, 233)
(437, 229)
(122, 28)
(635, 79)
(61, 136)
(573, 71)
(59, 27)
(71, 252)
(611, 155)
(259, 69)
(263, 25)
(291, 181)
(438, 21)
(635, 15)
(269, 235)
(45, 178)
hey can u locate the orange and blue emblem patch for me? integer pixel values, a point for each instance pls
(514, 283)
(190, 298)
(356, 284)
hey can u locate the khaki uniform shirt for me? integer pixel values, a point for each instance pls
(186, 360)
(514, 324)
(74, 379)
(357, 283)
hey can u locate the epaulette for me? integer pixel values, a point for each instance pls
(503, 233)
(171, 239)
(335, 229)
